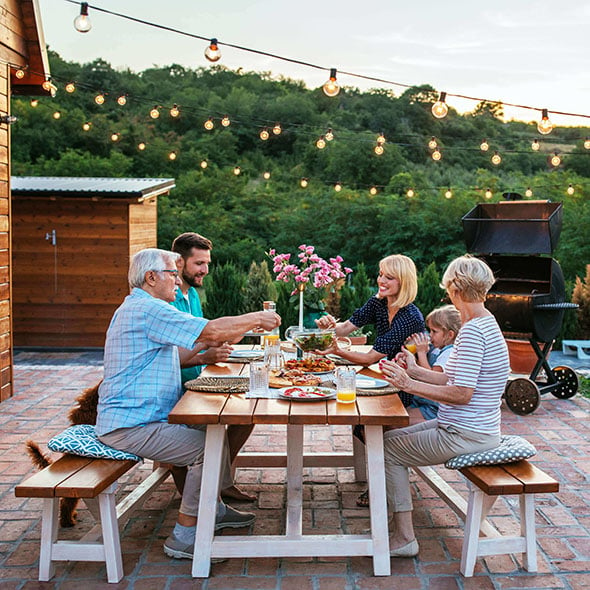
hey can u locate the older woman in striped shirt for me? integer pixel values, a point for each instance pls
(469, 392)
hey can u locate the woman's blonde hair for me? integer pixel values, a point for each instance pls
(446, 318)
(470, 276)
(404, 270)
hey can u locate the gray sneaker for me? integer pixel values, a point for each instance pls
(234, 519)
(179, 550)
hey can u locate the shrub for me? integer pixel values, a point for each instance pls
(581, 296)
(260, 287)
(225, 291)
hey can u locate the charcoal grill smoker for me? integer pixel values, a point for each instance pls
(528, 297)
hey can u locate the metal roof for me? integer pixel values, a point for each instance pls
(84, 187)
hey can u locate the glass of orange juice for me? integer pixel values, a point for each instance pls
(345, 385)
(411, 347)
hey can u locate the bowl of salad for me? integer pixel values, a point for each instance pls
(310, 339)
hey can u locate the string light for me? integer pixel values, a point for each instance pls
(329, 134)
(20, 74)
(237, 171)
(331, 87)
(303, 182)
(264, 134)
(436, 155)
(320, 143)
(484, 146)
(277, 129)
(496, 159)
(570, 190)
(378, 149)
(555, 160)
(266, 175)
(440, 108)
(86, 126)
(432, 144)
(56, 115)
(172, 155)
(449, 194)
(373, 190)
(225, 122)
(212, 52)
(528, 193)
(46, 85)
(70, 87)
(488, 194)
(82, 22)
(99, 98)
(208, 124)
(115, 136)
(545, 126)
(122, 100)
(338, 187)
(380, 139)
(155, 112)
(141, 146)
(34, 102)
(204, 164)
(410, 193)
(174, 111)
(535, 146)
(587, 144)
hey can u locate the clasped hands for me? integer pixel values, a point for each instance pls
(398, 371)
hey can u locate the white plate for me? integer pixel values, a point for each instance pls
(245, 354)
(306, 394)
(369, 383)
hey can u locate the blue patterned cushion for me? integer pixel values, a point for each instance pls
(511, 449)
(81, 439)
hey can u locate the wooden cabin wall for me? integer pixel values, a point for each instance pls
(65, 294)
(6, 388)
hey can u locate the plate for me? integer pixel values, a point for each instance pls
(245, 354)
(370, 383)
(306, 394)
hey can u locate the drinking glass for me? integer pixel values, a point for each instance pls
(345, 385)
(258, 386)
(273, 355)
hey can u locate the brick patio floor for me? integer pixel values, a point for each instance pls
(47, 383)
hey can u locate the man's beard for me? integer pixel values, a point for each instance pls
(193, 281)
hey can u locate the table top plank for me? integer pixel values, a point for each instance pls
(223, 370)
(339, 413)
(196, 407)
(308, 412)
(238, 410)
(382, 409)
(271, 411)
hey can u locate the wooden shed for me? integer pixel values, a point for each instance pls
(72, 239)
(24, 69)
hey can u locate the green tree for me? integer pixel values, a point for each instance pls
(429, 292)
(224, 289)
(259, 287)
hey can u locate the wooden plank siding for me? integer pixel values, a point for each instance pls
(65, 295)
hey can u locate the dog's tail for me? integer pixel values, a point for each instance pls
(39, 460)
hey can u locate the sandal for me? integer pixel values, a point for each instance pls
(363, 500)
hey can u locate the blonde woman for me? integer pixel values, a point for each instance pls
(469, 392)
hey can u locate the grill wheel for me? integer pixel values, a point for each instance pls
(522, 396)
(568, 382)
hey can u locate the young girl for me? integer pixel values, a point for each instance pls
(432, 353)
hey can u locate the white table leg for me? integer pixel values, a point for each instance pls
(377, 500)
(214, 442)
(294, 525)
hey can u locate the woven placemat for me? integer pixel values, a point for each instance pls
(219, 384)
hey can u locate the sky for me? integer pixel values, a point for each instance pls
(526, 52)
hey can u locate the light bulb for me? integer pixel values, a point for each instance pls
(484, 146)
(174, 111)
(86, 126)
(545, 126)
(172, 155)
(410, 193)
(570, 190)
(46, 85)
(264, 134)
(204, 164)
(225, 122)
(56, 115)
(535, 145)
(587, 144)
(70, 87)
(432, 144)
(449, 194)
(99, 99)
(82, 23)
(528, 193)
(115, 136)
(122, 100)
(277, 129)
(373, 190)
(378, 149)
(34, 102)
(155, 112)
(380, 139)
(440, 108)
(488, 194)
(496, 159)
(266, 175)
(320, 143)
(303, 182)
(237, 171)
(212, 52)
(20, 74)
(329, 134)
(555, 160)
(338, 187)
(436, 155)
(141, 146)
(208, 124)
(331, 87)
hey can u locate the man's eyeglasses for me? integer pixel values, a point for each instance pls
(172, 272)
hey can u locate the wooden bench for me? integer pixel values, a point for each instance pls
(81, 477)
(579, 348)
(487, 483)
